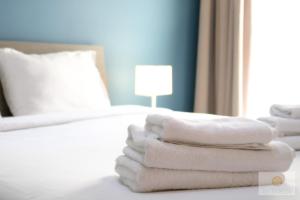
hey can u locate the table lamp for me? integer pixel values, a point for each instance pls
(153, 81)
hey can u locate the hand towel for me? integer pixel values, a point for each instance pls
(292, 141)
(224, 131)
(143, 179)
(285, 126)
(286, 111)
(151, 152)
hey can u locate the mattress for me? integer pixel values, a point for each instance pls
(72, 157)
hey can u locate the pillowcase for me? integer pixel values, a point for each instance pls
(56, 82)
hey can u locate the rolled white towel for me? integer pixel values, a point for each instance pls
(224, 131)
(143, 179)
(146, 149)
(286, 111)
(285, 126)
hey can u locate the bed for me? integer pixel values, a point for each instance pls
(72, 156)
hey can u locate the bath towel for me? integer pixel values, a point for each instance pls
(148, 150)
(222, 131)
(285, 126)
(286, 111)
(143, 179)
(292, 141)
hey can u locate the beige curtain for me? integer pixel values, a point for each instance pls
(223, 57)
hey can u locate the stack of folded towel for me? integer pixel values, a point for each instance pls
(286, 120)
(169, 154)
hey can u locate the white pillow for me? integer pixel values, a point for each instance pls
(57, 82)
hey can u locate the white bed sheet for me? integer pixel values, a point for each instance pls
(73, 159)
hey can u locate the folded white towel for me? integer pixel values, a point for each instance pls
(292, 141)
(287, 111)
(139, 134)
(285, 126)
(142, 179)
(223, 131)
(148, 150)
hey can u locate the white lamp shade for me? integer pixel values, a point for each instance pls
(153, 80)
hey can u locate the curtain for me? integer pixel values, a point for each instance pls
(223, 57)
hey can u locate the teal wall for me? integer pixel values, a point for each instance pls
(131, 31)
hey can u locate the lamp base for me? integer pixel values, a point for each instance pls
(153, 101)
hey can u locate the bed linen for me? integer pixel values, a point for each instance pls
(73, 159)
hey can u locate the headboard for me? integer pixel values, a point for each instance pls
(40, 48)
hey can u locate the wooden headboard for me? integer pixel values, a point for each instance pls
(40, 48)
